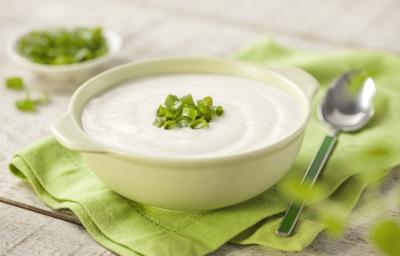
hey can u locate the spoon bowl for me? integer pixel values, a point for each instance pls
(347, 105)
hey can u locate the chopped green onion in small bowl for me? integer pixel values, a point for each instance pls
(65, 54)
(61, 46)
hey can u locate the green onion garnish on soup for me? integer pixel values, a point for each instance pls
(183, 112)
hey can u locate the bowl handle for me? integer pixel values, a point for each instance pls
(68, 133)
(308, 84)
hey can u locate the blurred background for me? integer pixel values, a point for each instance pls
(161, 27)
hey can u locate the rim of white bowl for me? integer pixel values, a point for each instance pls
(114, 43)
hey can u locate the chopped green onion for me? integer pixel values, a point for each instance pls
(184, 112)
(170, 100)
(169, 114)
(63, 46)
(219, 111)
(26, 105)
(203, 109)
(208, 100)
(159, 122)
(171, 124)
(207, 116)
(187, 100)
(161, 111)
(15, 83)
(178, 105)
(199, 124)
(183, 123)
(190, 113)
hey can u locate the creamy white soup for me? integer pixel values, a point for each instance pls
(256, 115)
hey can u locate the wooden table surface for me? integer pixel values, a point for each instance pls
(176, 27)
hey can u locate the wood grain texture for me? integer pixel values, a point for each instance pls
(367, 23)
(26, 233)
(153, 28)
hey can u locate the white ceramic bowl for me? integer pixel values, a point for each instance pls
(73, 73)
(188, 185)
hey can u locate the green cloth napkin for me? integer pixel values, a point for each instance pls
(62, 180)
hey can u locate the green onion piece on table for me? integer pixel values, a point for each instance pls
(183, 112)
(26, 105)
(15, 83)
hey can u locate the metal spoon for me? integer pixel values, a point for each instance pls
(347, 107)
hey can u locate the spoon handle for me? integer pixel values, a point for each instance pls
(292, 214)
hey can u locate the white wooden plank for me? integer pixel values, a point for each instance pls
(27, 233)
(335, 22)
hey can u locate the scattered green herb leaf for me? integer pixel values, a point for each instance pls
(184, 112)
(14, 83)
(385, 235)
(26, 105)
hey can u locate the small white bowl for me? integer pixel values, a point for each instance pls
(71, 73)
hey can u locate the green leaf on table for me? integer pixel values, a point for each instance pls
(386, 237)
(15, 83)
(26, 105)
(29, 103)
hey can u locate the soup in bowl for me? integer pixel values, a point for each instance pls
(236, 156)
